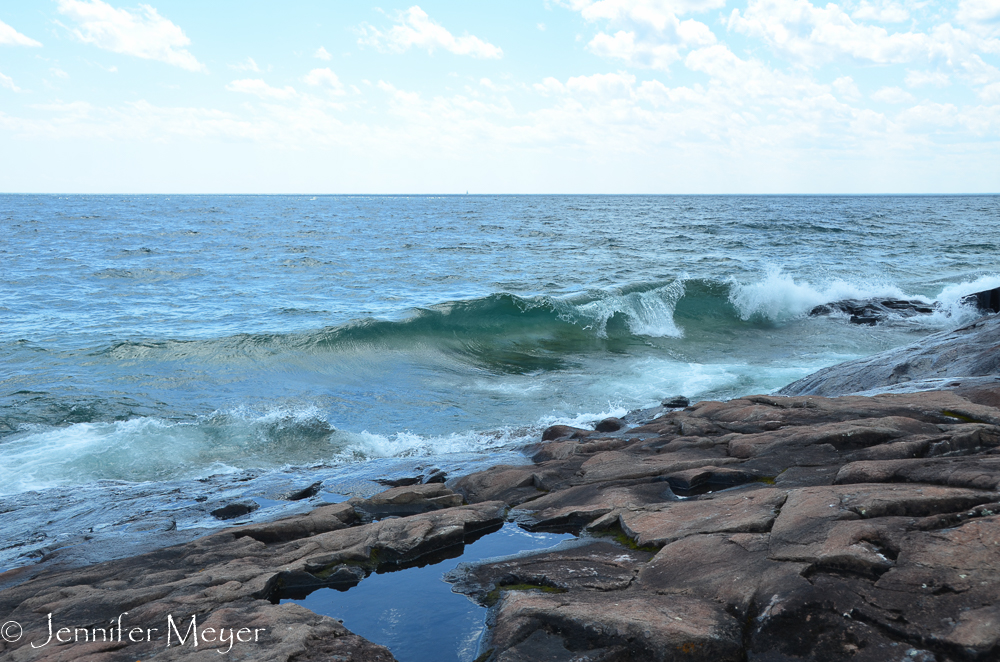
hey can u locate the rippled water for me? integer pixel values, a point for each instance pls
(163, 338)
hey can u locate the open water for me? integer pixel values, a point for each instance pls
(210, 346)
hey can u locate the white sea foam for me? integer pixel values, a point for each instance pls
(647, 313)
(150, 448)
(950, 297)
(778, 296)
(367, 445)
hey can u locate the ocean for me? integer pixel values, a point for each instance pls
(164, 354)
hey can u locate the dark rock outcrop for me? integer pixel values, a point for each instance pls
(234, 510)
(987, 301)
(611, 424)
(872, 311)
(676, 402)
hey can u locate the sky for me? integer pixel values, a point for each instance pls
(522, 96)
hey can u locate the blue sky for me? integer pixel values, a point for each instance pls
(526, 96)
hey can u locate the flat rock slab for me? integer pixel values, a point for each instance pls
(752, 512)
(626, 626)
(598, 566)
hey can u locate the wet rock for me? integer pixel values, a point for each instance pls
(554, 432)
(232, 579)
(541, 646)
(987, 300)
(573, 508)
(950, 356)
(638, 627)
(400, 482)
(304, 493)
(799, 529)
(609, 425)
(708, 478)
(407, 500)
(436, 476)
(599, 566)
(321, 520)
(234, 510)
(517, 484)
(872, 311)
(676, 402)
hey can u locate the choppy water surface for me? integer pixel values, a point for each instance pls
(170, 338)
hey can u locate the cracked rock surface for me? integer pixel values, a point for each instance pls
(763, 528)
(233, 580)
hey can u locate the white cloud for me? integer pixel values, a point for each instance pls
(732, 107)
(247, 65)
(324, 78)
(990, 93)
(980, 16)
(415, 28)
(883, 11)
(322, 54)
(892, 95)
(259, 88)
(541, 26)
(743, 121)
(601, 86)
(653, 13)
(11, 37)
(493, 87)
(141, 33)
(649, 33)
(806, 34)
(59, 73)
(8, 82)
(657, 51)
(846, 87)
(921, 78)
(814, 35)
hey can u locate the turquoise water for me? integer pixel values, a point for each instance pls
(156, 339)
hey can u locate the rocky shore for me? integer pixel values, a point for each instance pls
(814, 525)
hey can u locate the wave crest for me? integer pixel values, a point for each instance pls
(778, 297)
